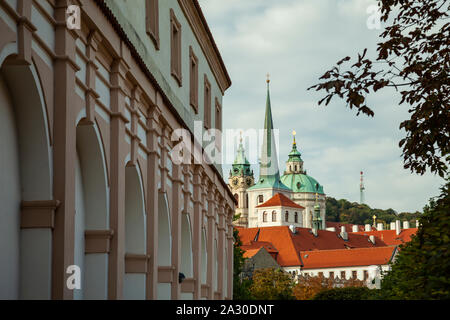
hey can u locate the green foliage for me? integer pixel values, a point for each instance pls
(271, 284)
(349, 293)
(308, 286)
(422, 267)
(351, 212)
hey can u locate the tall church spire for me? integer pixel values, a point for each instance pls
(269, 173)
(269, 161)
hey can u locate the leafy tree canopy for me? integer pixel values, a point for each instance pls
(348, 293)
(355, 213)
(308, 286)
(271, 284)
(424, 262)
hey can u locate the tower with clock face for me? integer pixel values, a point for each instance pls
(241, 178)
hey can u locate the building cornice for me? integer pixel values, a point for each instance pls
(197, 21)
(135, 54)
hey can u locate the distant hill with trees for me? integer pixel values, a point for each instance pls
(345, 211)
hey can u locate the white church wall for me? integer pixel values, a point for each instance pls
(280, 217)
(253, 217)
(348, 271)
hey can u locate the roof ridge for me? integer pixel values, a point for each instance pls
(277, 201)
(352, 249)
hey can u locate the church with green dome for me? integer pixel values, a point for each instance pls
(255, 196)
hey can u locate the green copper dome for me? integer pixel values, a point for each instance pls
(300, 182)
(269, 182)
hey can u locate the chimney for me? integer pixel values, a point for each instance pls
(344, 233)
(293, 229)
(397, 227)
(368, 227)
(372, 239)
(355, 228)
(405, 224)
(392, 226)
(380, 226)
(314, 232)
(331, 229)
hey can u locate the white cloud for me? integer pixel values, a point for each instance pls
(296, 41)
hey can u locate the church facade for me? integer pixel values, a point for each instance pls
(253, 194)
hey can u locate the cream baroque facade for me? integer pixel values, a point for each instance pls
(86, 176)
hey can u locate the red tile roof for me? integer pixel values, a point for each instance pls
(280, 200)
(347, 258)
(259, 244)
(289, 245)
(390, 237)
(251, 252)
(254, 246)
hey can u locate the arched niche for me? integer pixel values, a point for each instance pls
(164, 243)
(186, 266)
(216, 267)
(135, 230)
(91, 211)
(25, 176)
(204, 265)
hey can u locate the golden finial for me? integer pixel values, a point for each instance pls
(374, 220)
(294, 134)
(268, 77)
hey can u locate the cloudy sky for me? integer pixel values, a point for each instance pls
(296, 41)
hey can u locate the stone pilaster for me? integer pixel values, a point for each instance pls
(135, 94)
(197, 230)
(221, 249)
(118, 151)
(176, 229)
(230, 241)
(63, 148)
(153, 134)
(25, 30)
(164, 156)
(91, 74)
(210, 245)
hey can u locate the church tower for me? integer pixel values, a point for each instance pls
(269, 182)
(240, 179)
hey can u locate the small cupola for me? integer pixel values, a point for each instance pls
(295, 162)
